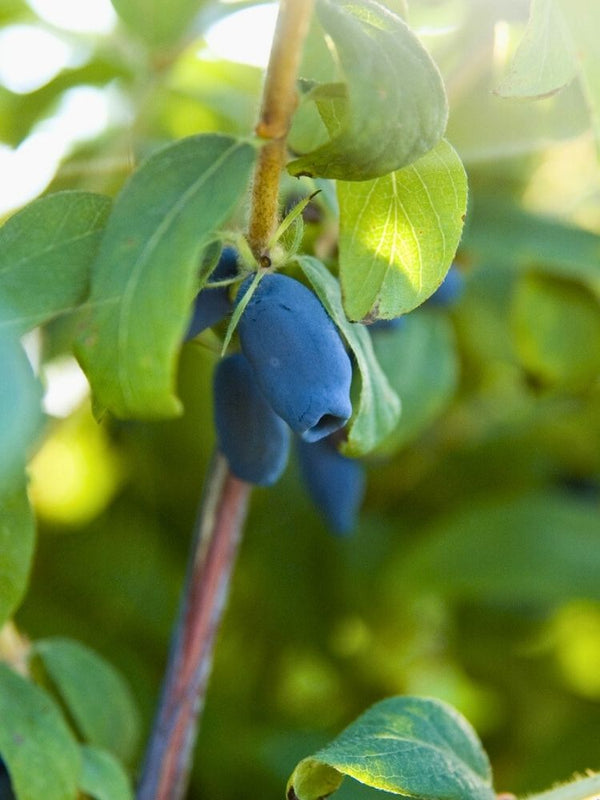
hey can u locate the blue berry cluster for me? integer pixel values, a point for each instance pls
(293, 375)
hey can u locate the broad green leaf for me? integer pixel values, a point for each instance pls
(583, 21)
(586, 788)
(421, 363)
(144, 278)
(20, 411)
(378, 405)
(102, 776)
(17, 539)
(36, 745)
(534, 549)
(158, 23)
(94, 693)
(393, 109)
(545, 58)
(46, 251)
(408, 746)
(554, 321)
(399, 234)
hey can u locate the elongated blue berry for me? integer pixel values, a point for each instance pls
(213, 305)
(449, 290)
(336, 484)
(253, 439)
(298, 357)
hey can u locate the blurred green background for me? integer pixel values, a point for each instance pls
(474, 573)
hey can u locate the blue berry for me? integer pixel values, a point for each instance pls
(6, 790)
(450, 289)
(298, 357)
(253, 439)
(212, 305)
(336, 484)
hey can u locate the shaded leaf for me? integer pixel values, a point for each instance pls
(399, 234)
(103, 777)
(545, 58)
(393, 106)
(553, 322)
(46, 251)
(421, 363)
(39, 750)
(408, 746)
(17, 539)
(378, 405)
(536, 549)
(96, 696)
(144, 279)
(20, 411)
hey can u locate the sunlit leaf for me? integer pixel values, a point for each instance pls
(536, 549)
(420, 361)
(39, 750)
(408, 746)
(17, 538)
(545, 58)
(392, 108)
(144, 278)
(399, 234)
(102, 776)
(554, 321)
(96, 696)
(580, 789)
(158, 23)
(378, 405)
(46, 251)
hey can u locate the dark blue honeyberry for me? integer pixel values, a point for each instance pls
(335, 483)
(213, 305)
(450, 290)
(298, 356)
(6, 790)
(253, 439)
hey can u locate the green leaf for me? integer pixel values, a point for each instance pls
(580, 789)
(393, 108)
(17, 539)
(545, 58)
(583, 21)
(144, 278)
(103, 777)
(553, 322)
(94, 693)
(535, 549)
(421, 364)
(46, 251)
(39, 751)
(378, 405)
(158, 23)
(408, 746)
(399, 234)
(20, 411)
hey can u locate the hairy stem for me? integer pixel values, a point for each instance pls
(279, 102)
(217, 534)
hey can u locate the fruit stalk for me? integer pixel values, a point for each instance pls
(278, 104)
(218, 528)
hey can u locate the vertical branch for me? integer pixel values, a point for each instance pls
(218, 528)
(217, 534)
(278, 104)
